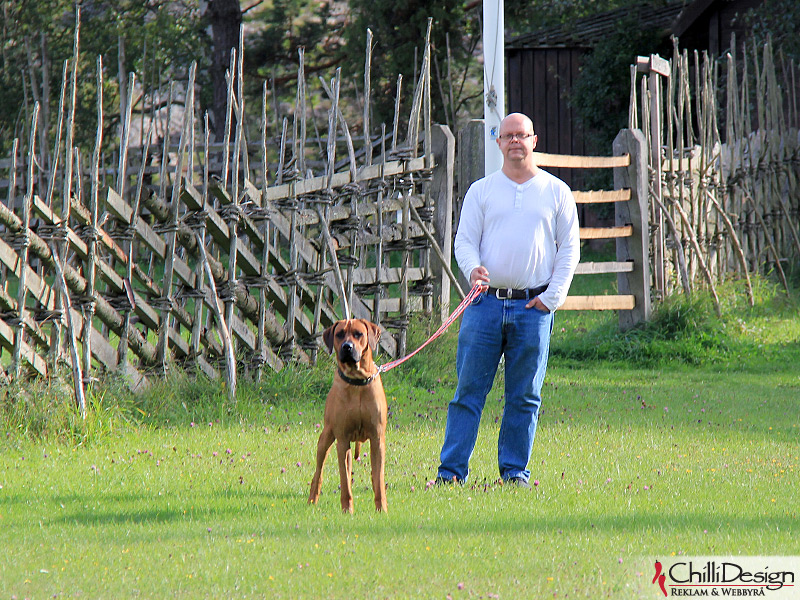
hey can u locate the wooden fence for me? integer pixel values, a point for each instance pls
(724, 172)
(168, 260)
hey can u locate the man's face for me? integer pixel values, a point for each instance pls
(516, 140)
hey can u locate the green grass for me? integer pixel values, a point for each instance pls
(178, 493)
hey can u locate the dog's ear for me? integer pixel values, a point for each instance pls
(373, 335)
(327, 336)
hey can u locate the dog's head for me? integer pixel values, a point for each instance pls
(351, 338)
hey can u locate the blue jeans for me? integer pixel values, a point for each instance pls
(491, 328)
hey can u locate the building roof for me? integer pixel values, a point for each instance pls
(586, 32)
(690, 14)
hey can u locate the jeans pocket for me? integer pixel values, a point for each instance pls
(478, 299)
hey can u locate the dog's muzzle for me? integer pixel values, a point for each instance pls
(349, 353)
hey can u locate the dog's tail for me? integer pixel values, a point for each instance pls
(357, 451)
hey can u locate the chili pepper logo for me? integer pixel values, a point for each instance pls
(660, 577)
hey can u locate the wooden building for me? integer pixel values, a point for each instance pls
(542, 66)
(709, 24)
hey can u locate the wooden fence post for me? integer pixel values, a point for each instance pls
(471, 167)
(656, 68)
(635, 212)
(470, 159)
(444, 150)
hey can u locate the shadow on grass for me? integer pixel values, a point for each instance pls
(633, 523)
(143, 509)
(256, 508)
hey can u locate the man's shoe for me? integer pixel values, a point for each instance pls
(446, 480)
(518, 482)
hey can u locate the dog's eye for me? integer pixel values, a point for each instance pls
(357, 334)
(339, 334)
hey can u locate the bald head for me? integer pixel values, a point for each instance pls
(517, 119)
(517, 142)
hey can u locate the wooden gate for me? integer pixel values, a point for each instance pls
(630, 230)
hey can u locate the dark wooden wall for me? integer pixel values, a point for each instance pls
(539, 81)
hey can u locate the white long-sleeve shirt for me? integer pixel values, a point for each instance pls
(525, 234)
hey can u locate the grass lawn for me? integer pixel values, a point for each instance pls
(633, 462)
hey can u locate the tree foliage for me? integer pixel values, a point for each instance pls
(602, 91)
(163, 37)
(778, 21)
(283, 27)
(276, 32)
(160, 39)
(399, 30)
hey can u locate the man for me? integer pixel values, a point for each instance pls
(518, 233)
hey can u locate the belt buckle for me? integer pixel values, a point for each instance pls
(506, 291)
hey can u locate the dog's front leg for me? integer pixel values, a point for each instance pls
(345, 474)
(377, 455)
(323, 446)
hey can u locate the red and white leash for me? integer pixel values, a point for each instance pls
(473, 293)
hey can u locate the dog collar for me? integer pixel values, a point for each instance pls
(352, 381)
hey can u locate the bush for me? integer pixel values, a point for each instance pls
(685, 330)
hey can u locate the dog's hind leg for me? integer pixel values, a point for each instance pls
(377, 457)
(323, 447)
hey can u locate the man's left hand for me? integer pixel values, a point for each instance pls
(538, 304)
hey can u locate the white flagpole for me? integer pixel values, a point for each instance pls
(494, 90)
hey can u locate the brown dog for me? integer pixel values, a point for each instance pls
(355, 410)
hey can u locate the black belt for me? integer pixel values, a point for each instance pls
(509, 294)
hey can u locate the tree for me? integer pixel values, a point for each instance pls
(157, 39)
(277, 31)
(283, 27)
(601, 93)
(399, 30)
(779, 21)
(225, 17)
(30, 39)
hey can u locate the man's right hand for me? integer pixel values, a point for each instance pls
(479, 274)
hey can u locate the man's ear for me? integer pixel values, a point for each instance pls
(327, 336)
